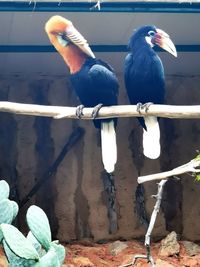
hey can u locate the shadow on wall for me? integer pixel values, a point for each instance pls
(74, 197)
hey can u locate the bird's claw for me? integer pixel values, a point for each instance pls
(96, 110)
(145, 107)
(79, 111)
(139, 107)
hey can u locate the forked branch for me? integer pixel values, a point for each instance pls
(156, 209)
(190, 167)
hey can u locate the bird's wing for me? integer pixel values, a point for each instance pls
(105, 64)
(158, 71)
(127, 67)
(104, 78)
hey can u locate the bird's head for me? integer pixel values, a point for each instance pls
(62, 32)
(154, 36)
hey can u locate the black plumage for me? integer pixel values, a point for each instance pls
(96, 83)
(144, 73)
(145, 80)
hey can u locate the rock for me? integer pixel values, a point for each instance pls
(191, 248)
(82, 262)
(162, 263)
(116, 247)
(3, 260)
(191, 262)
(169, 245)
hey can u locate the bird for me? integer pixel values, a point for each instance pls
(145, 80)
(92, 79)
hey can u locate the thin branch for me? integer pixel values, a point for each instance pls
(135, 258)
(97, 5)
(59, 112)
(188, 167)
(154, 214)
(153, 220)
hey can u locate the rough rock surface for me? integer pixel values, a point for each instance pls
(116, 247)
(169, 245)
(192, 249)
(3, 261)
(162, 263)
(82, 262)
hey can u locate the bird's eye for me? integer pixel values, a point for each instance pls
(151, 33)
(62, 39)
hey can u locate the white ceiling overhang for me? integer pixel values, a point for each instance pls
(25, 48)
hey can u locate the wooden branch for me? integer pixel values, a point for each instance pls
(188, 167)
(155, 212)
(147, 244)
(59, 112)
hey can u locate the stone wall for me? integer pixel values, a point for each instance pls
(74, 198)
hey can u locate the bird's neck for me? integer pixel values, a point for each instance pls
(141, 45)
(74, 58)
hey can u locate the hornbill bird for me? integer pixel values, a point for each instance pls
(145, 80)
(92, 79)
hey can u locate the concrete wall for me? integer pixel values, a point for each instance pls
(75, 198)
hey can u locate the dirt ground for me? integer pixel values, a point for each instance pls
(87, 254)
(98, 255)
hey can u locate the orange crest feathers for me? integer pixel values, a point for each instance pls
(57, 24)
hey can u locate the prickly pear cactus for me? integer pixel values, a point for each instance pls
(35, 250)
(8, 208)
(4, 190)
(39, 225)
(18, 243)
(14, 260)
(60, 251)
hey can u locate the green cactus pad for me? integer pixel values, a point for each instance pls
(6, 211)
(4, 190)
(50, 259)
(60, 251)
(18, 243)
(21, 262)
(39, 226)
(1, 236)
(36, 244)
(15, 261)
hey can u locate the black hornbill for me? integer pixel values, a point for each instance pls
(145, 80)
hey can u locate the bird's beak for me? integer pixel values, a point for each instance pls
(163, 40)
(76, 38)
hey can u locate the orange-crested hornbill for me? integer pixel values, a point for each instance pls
(95, 84)
(145, 80)
(92, 79)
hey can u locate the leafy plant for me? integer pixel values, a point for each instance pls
(197, 176)
(36, 249)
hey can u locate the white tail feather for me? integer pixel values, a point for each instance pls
(108, 146)
(151, 138)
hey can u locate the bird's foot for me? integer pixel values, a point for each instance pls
(146, 106)
(79, 111)
(139, 107)
(96, 110)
